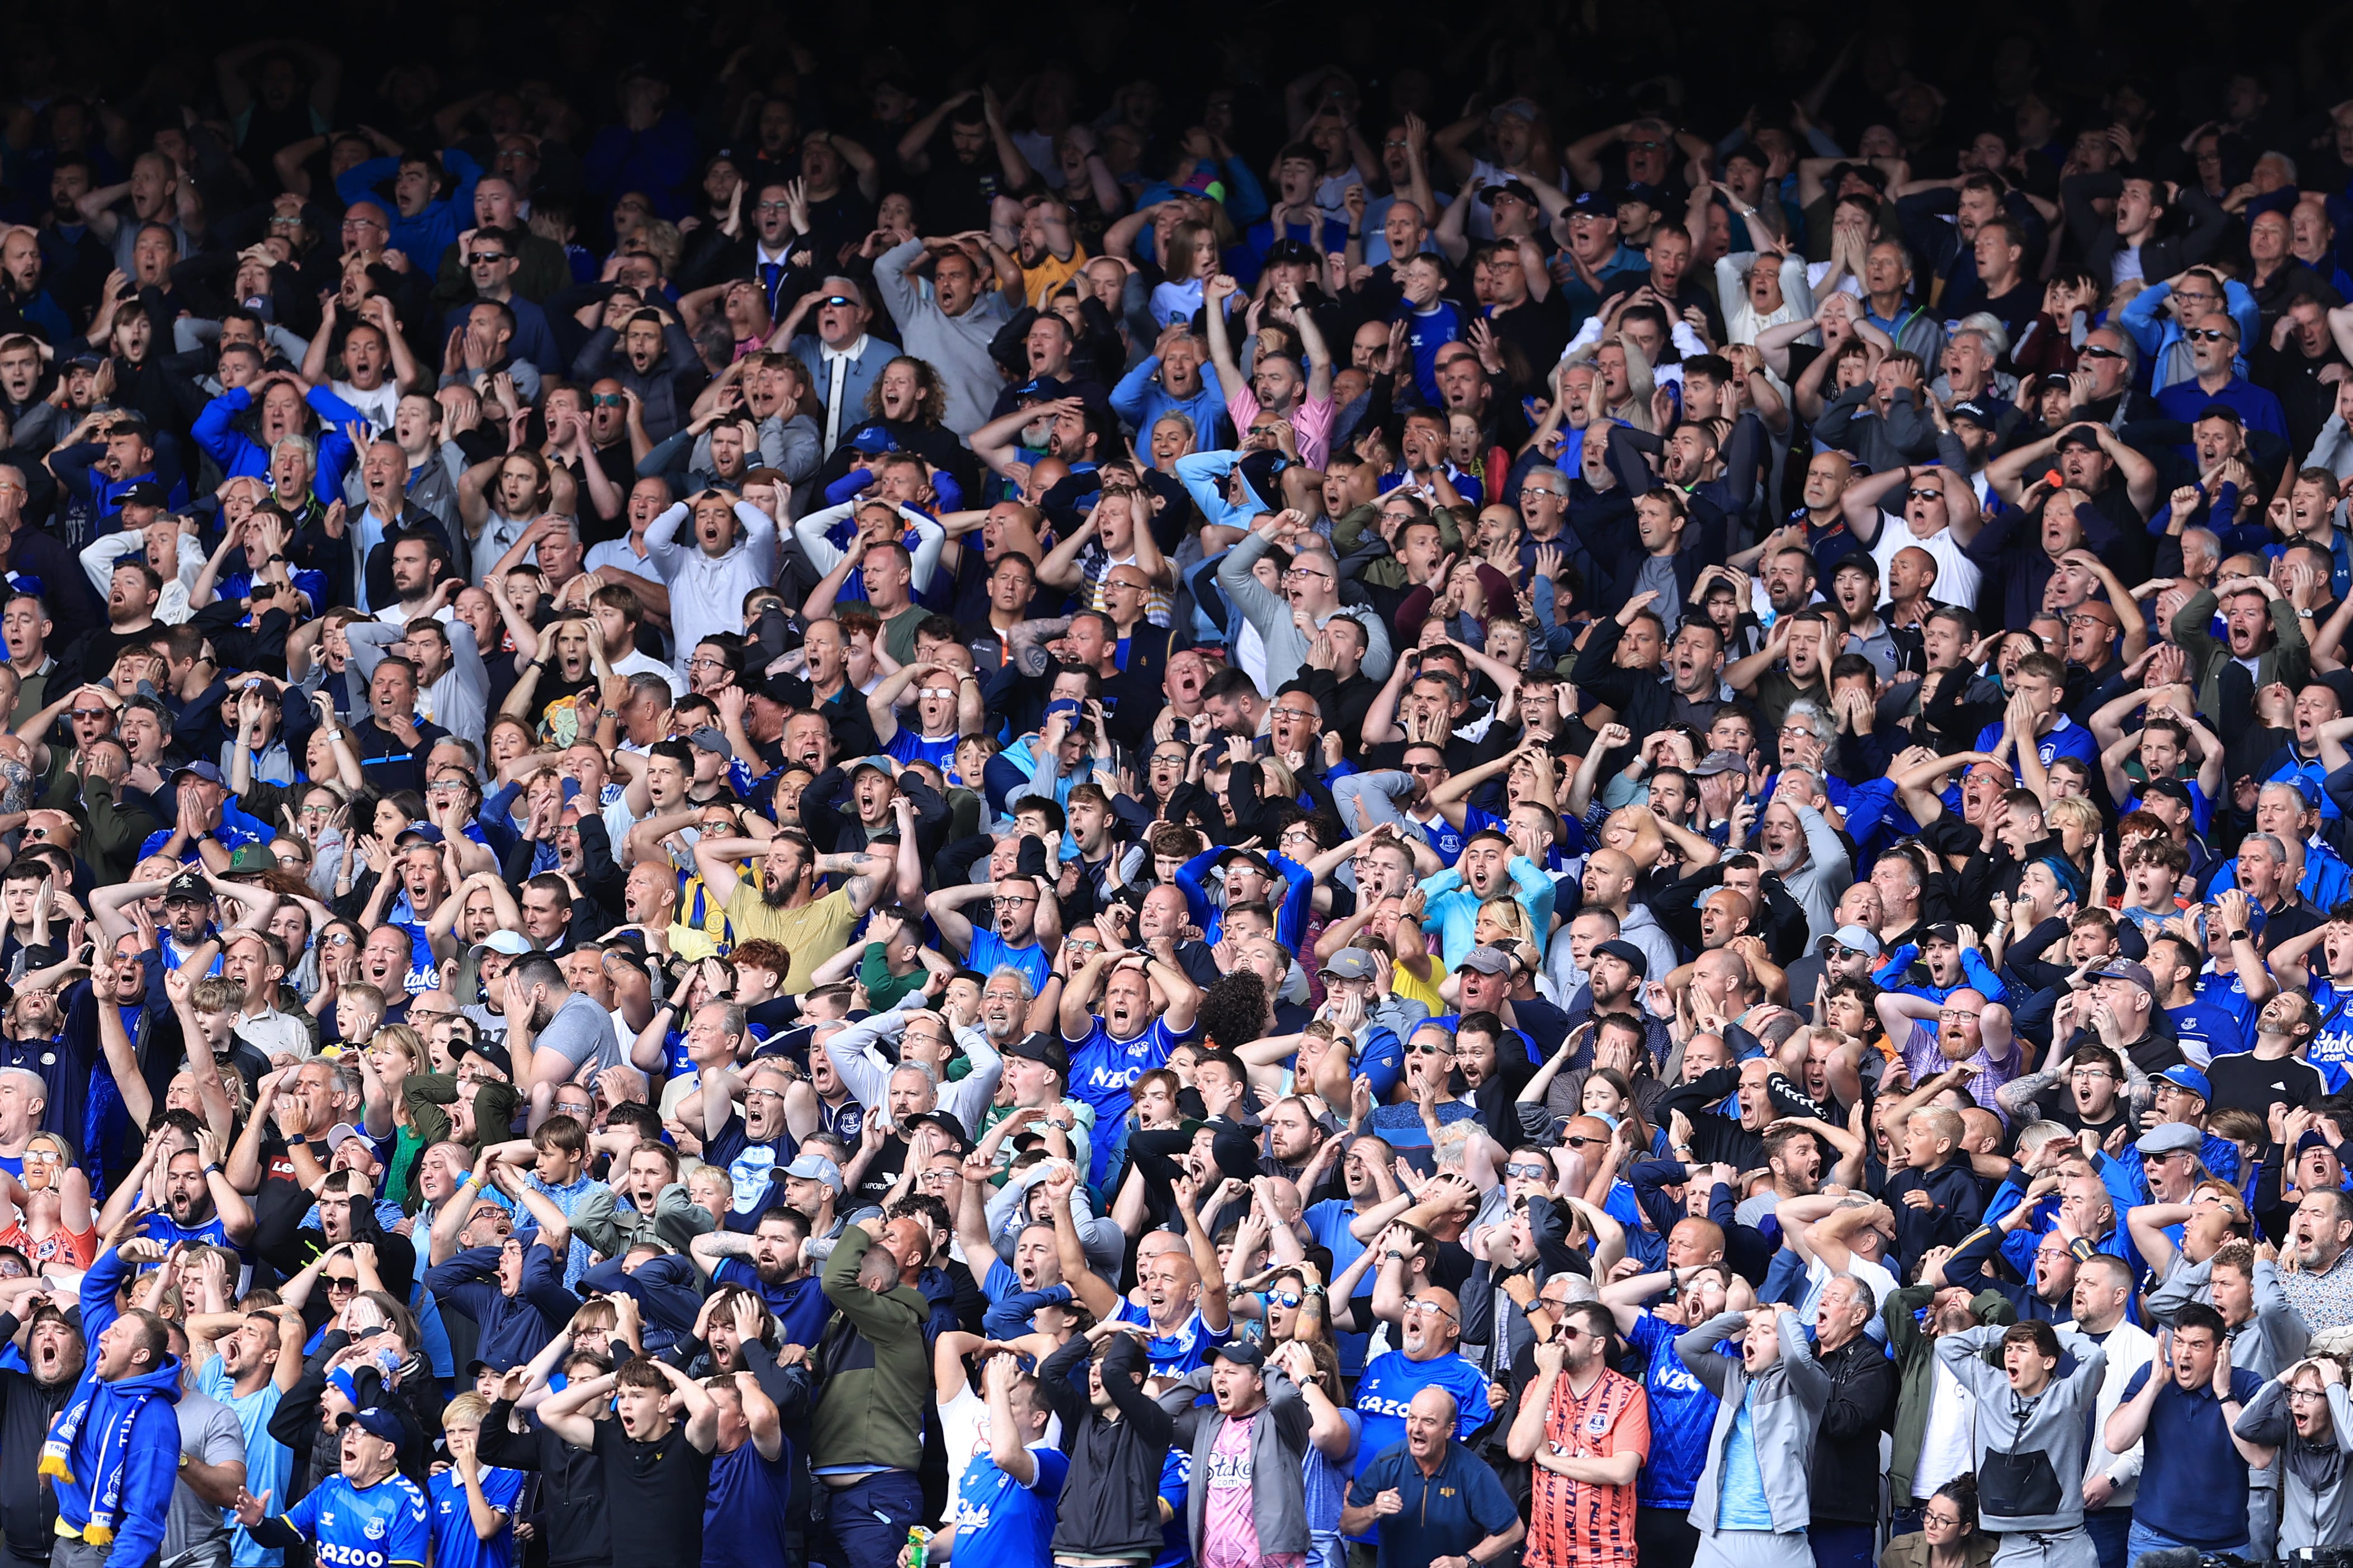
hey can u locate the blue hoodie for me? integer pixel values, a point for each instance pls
(151, 1459)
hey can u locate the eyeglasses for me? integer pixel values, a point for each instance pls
(1580, 1140)
(774, 206)
(1299, 712)
(2092, 1075)
(1011, 903)
(2306, 1395)
(1527, 491)
(704, 661)
(1945, 1520)
(1428, 1051)
(1413, 1306)
(92, 713)
(1426, 767)
(1306, 571)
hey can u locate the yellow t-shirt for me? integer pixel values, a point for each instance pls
(1403, 984)
(1041, 282)
(809, 935)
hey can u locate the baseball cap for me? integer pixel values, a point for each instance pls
(1626, 953)
(1045, 388)
(711, 740)
(1641, 191)
(1516, 189)
(1857, 939)
(1593, 204)
(2313, 1139)
(514, 943)
(423, 831)
(204, 771)
(2132, 973)
(1943, 931)
(946, 1121)
(2170, 1138)
(188, 888)
(2183, 1076)
(341, 1133)
(1040, 1046)
(376, 1420)
(1485, 960)
(1289, 250)
(1251, 856)
(1720, 763)
(254, 857)
(873, 440)
(1349, 963)
(2077, 436)
(1242, 1353)
(491, 1052)
(144, 492)
(818, 1168)
(1977, 412)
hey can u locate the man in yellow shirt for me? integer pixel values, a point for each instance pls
(787, 907)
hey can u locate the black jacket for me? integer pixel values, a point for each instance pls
(1846, 1448)
(1111, 1503)
(572, 1517)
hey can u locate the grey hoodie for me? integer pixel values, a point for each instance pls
(2055, 1427)
(2316, 1480)
(1784, 1415)
(1278, 1450)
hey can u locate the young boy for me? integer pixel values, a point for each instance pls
(1935, 1197)
(472, 1503)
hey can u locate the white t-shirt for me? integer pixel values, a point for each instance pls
(640, 662)
(1946, 1446)
(1957, 576)
(378, 405)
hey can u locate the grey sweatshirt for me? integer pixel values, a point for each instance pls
(2055, 1426)
(2315, 1478)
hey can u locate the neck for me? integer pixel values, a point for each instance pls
(2215, 379)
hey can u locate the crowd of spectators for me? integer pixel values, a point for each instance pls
(861, 801)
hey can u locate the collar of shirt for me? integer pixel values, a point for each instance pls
(826, 354)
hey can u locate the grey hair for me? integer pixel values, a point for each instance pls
(2286, 162)
(2268, 843)
(1806, 707)
(1028, 992)
(302, 443)
(35, 1086)
(920, 1069)
(730, 1018)
(1862, 1293)
(1987, 325)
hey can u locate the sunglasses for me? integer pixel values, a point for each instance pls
(609, 400)
(1532, 1172)
(2206, 335)
(341, 1282)
(1428, 1051)
(1930, 494)
(2095, 352)
(1284, 1299)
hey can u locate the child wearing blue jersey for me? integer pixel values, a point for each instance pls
(473, 1504)
(1005, 1499)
